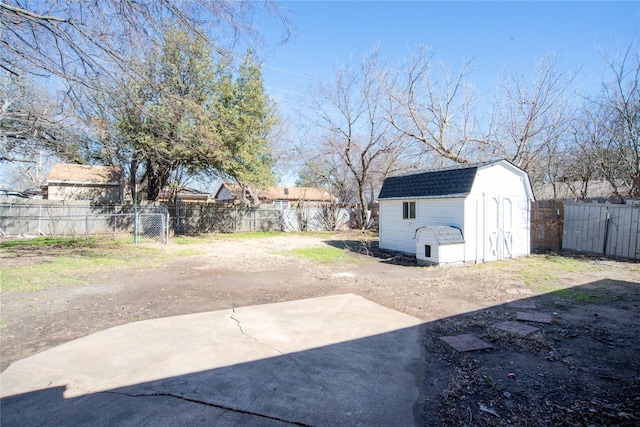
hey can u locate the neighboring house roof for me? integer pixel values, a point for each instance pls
(187, 194)
(444, 234)
(64, 173)
(282, 193)
(454, 181)
(295, 193)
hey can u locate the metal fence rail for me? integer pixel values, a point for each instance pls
(602, 228)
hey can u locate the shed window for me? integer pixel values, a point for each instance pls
(408, 210)
(427, 251)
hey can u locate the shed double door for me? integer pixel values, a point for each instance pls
(498, 228)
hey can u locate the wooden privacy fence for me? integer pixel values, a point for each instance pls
(602, 228)
(546, 225)
(194, 218)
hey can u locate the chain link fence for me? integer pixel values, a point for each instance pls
(49, 219)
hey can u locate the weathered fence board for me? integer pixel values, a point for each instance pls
(602, 228)
(546, 225)
(193, 218)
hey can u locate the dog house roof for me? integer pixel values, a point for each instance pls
(443, 233)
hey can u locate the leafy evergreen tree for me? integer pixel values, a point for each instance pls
(244, 118)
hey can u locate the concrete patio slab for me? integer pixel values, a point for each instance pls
(338, 360)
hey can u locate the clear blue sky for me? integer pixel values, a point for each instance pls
(497, 34)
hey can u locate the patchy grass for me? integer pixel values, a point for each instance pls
(76, 267)
(191, 240)
(245, 235)
(44, 262)
(582, 296)
(542, 272)
(47, 241)
(326, 254)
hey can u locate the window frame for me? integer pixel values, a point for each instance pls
(407, 210)
(427, 251)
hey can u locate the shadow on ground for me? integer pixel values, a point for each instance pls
(371, 248)
(581, 368)
(317, 387)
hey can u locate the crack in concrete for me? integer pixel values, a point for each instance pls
(290, 357)
(213, 405)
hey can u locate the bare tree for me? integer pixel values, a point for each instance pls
(606, 131)
(532, 118)
(583, 156)
(81, 39)
(620, 104)
(32, 124)
(83, 46)
(436, 107)
(353, 131)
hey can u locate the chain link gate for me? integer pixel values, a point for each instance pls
(152, 226)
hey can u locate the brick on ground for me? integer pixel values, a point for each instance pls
(516, 328)
(534, 317)
(523, 303)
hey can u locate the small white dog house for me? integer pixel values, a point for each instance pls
(489, 203)
(439, 244)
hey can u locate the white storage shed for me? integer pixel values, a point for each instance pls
(488, 203)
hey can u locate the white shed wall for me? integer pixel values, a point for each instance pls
(497, 215)
(451, 253)
(498, 179)
(398, 234)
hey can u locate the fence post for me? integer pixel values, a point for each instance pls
(606, 233)
(86, 228)
(166, 232)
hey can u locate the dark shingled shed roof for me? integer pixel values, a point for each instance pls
(455, 181)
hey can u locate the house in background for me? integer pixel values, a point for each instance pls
(277, 196)
(96, 184)
(466, 213)
(186, 195)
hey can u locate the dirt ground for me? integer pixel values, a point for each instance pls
(581, 369)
